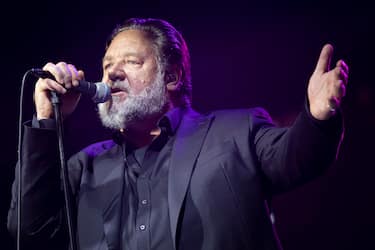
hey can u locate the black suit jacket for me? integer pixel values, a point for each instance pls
(224, 167)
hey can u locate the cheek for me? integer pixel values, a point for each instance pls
(139, 82)
(137, 85)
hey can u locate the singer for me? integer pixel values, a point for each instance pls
(171, 178)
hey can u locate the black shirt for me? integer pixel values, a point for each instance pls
(145, 215)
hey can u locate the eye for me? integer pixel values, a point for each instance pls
(107, 66)
(133, 62)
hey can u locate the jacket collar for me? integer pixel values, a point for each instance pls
(189, 140)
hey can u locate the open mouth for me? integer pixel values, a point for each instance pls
(118, 90)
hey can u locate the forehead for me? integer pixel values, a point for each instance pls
(130, 42)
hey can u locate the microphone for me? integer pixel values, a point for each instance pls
(99, 92)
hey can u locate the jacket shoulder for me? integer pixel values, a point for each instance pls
(252, 115)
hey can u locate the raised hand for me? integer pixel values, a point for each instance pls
(327, 86)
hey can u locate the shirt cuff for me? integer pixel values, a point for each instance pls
(333, 123)
(43, 123)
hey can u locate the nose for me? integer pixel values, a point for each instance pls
(116, 73)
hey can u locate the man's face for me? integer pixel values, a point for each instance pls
(131, 69)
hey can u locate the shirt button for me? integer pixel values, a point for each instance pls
(142, 227)
(144, 202)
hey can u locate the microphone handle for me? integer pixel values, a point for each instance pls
(42, 74)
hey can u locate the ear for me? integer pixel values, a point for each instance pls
(173, 80)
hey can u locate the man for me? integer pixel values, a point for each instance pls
(171, 178)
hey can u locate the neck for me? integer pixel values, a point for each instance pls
(137, 139)
(142, 133)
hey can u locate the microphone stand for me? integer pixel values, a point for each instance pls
(64, 171)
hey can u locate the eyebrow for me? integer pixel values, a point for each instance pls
(108, 58)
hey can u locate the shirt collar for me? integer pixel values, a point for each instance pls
(169, 123)
(171, 120)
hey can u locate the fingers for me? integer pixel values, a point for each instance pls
(73, 72)
(339, 80)
(338, 90)
(80, 76)
(343, 65)
(324, 59)
(48, 84)
(342, 71)
(66, 75)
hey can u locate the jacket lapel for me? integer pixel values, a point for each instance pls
(189, 140)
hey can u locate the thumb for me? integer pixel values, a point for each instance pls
(324, 60)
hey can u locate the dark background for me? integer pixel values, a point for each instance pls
(243, 54)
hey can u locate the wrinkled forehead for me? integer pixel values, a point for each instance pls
(133, 41)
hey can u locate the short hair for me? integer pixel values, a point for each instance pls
(170, 47)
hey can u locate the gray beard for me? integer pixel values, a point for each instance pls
(120, 114)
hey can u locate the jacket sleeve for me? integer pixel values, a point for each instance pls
(290, 157)
(42, 211)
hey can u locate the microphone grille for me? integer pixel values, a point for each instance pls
(103, 93)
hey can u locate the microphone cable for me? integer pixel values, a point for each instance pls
(55, 101)
(19, 156)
